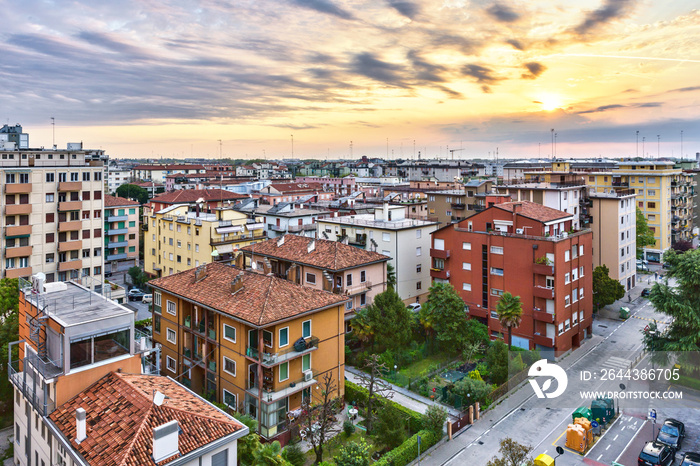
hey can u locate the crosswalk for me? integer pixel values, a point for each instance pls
(614, 362)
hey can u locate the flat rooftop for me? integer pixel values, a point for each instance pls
(70, 304)
(368, 220)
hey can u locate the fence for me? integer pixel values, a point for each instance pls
(504, 388)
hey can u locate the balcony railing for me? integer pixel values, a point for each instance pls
(543, 340)
(543, 292)
(74, 225)
(117, 244)
(543, 316)
(441, 274)
(440, 253)
(117, 218)
(458, 206)
(478, 311)
(20, 251)
(18, 209)
(18, 188)
(65, 186)
(116, 257)
(273, 359)
(117, 231)
(69, 205)
(543, 269)
(284, 389)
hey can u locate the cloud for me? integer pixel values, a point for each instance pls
(409, 9)
(426, 71)
(367, 64)
(324, 6)
(535, 69)
(686, 89)
(480, 73)
(517, 44)
(503, 13)
(602, 108)
(610, 10)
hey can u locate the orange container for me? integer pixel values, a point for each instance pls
(586, 424)
(576, 437)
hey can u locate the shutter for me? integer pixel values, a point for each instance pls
(220, 459)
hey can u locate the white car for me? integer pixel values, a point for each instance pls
(147, 298)
(414, 307)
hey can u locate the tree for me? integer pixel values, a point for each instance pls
(250, 443)
(319, 418)
(391, 321)
(377, 388)
(512, 454)
(444, 313)
(682, 245)
(497, 361)
(9, 332)
(645, 237)
(478, 333)
(390, 430)
(606, 290)
(390, 276)
(434, 419)
(471, 390)
(353, 454)
(269, 454)
(133, 192)
(293, 455)
(362, 326)
(510, 313)
(138, 276)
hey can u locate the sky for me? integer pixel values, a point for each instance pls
(338, 79)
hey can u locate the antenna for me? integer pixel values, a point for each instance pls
(53, 131)
(158, 398)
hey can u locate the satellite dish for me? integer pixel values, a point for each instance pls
(158, 398)
(215, 253)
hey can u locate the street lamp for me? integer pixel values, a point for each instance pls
(622, 387)
(560, 451)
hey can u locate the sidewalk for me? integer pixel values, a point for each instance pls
(634, 296)
(403, 396)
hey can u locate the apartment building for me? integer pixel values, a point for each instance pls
(121, 233)
(177, 238)
(257, 343)
(454, 205)
(275, 193)
(52, 207)
(323, 265)
(205, 199)
(286, 217)
(117, 176)
(531, 251)
(70, 337)
(389, 232)
(652, 181)
(614, 228)
(158, 173)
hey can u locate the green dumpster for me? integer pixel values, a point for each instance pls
(582, 412)
(602, 411)
(624, 313)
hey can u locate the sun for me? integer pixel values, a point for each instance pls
(550, 102)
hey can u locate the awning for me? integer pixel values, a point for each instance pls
(232, 229)
(17, 236)
(224, 249)
(255, 226)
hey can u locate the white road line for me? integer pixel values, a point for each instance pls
(628, 443)
(604, 434)
(607, 448)
(599, 457)
(616, 437)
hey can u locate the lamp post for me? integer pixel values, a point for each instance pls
(560, 451)
(622, 387)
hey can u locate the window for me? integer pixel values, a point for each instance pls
(97, 214)
(86, 176)
(567, 255)
(306, 329)
(97, 233)
(98, 252)
(86, 234)
(466, 266)
(496, 292)
(267, 338)
(170, 363)
(561, 328)
(284, 337)
(229, 366)
(622, 252)
(348, 280)
(86, 253)
(567, 278)
(567, 300)
(439, 244)
(419, 267)
(574, 295)
(419, 286)
(49, 258)
(49, 237)
(98, 176)
(652, 192)
(580, 271)
(49, 197)
(567, 324)
(230, 401)
(467, 246)
(574, 251)
(418, 251)
(363, 276)
(419, 234)
(196, 247)
(50, 178)
(310, 278)
(386, 236)
(156, 323)
(74, 176)
(50, 218)
(170, 307)
(580, 293)
(306, 362)
(496, 250)
(651, 205)
(171, 336)
(363, 299)
(284, 371)
(580, 251)
(466, 286)
(496, 271)
(230, 333)
(574, 275)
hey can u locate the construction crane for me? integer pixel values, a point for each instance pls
(452, 152)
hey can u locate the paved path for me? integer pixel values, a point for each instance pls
(403, 396)
(5, 435)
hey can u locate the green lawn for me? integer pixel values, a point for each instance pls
(414, 370)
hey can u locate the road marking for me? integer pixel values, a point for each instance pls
(599, 457)
(628, 443)
(560, 435)
(619, 418)
(607, 448)
(453, 456)
(616, 437)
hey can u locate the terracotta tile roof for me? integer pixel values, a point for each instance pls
(121, 417)
(534, 211)
(262, 300)
(113, 201)
(169, 167)
(185, 196)
(148, 184)
(285, 188)
(327, 255)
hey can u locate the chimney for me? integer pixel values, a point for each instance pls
(311, 247)
(280, 241)
(80, 425)
(517, 207)
(200, 273)
(165, 441)
(237, 283)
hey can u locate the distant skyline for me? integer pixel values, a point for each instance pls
(342, 79)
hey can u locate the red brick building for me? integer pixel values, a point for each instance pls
(530, 251)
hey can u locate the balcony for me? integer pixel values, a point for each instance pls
(116, 257)
(478, 312)
(117, 244)
(117, 218)
(543, 316)
(18, 230)
(274, 359)
(440, 274)
(479, 207)
(18, 209)
(66, 186)
(543, 292)
(18, 188)
(75, 225)
(284, 389)
(16, 273)
(65, 206)
(543, 269)
(299, 228)
(620, 184)
(439, 253)
(76, 264)
(542, 340)
(30, 388)
(458, 206)
(22, 251)
(117, 231)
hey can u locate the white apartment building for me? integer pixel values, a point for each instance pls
(116, 177)
(52, 213)
(389, 232)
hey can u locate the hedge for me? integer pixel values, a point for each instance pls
(408, 451)
(357, 394)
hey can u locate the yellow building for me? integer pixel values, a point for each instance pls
(652, 181)
(257, 343)
(178, 239)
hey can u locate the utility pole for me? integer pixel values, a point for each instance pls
(681, 144)
(552, 131)
(643, 139)
(221, 148)
(658, 146)
(292, 145)
(637, 143)
(53, 132)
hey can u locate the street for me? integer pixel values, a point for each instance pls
(541, 423)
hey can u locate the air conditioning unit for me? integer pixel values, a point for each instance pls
(308, 375)
(520, 231)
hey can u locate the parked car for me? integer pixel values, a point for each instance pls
(672, 433)
(667, 265)
(135, 294)
(642, 265)
(655, 454)
(147, 298)
(646, 292)
(414, 307)
(690, 459)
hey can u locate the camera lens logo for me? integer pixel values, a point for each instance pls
(542, 368)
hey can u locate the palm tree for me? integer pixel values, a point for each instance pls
(270, 454)
(362, 326)
(510, 313)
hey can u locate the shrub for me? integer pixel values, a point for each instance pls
(293, 454)
(477, 389)
(357, 394)
(475, 375)
(434, 419)
(353, 454)
(348, 427)
(408, 451)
